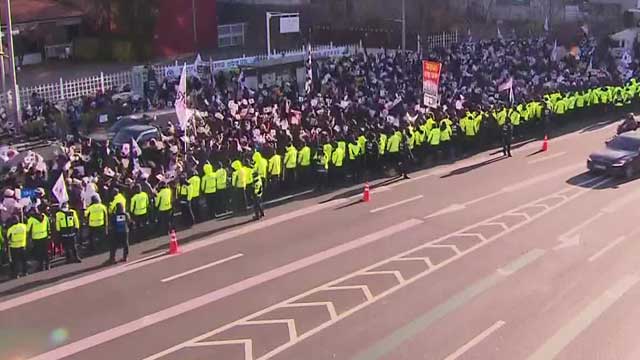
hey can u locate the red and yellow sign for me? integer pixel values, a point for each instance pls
(431, 82)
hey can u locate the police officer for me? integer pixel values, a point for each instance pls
(17, 242)
(258, 190)
(290, 165)
(239, 184)
(120, 234)
(39, 230)
(222, 197)
(68, 227)
(336, 172)
(164, 207)
(209, 188)
(139, 208)
(194, 183)
(275, 173)
(118, 198)
(304, 163)
(507, 137)
(185, 196)
(98, 219)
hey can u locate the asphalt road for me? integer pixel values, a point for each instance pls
(489, 258)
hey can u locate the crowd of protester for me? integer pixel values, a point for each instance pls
(361, 116)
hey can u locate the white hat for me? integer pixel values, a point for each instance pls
(9, 193)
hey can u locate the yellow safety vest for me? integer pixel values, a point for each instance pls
(119, 198)
(304, 156)
(39, 229)
(275, 165)
(291, 158)
(163, 200)
(97, 214)
(67, 220)
(221, 177)
(194, 183)
(17, 236)
(139, 204)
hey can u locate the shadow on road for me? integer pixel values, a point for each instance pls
(198, 236)
(348, 205)
(612, 183)
(353, 192)
(536, 153)
(516, 146)
(466, 169)
(34, 284)
(598, 126)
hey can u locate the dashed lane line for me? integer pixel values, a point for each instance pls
(402, 202)
(203, 267)
(583, 188)
(476, 340)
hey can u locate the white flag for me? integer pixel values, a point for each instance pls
(546, 24)
(182, 112)
(60, 190)
(507, 85)
(135, 148)
(499, 33)
(554, 52)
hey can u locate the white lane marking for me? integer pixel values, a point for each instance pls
(567, 242)
(402, 202)
(549, 157)
(607, 248)
(615, 243)
(571, 238)
(565, 335)
(382, 348)
(246, 343)
(203, 267)
(576, 229)
(476, 340)
(75, 283)
(431, 244)
(195, 303)
(512, 188)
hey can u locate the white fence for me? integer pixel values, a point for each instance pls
(73, 89)
(66, 90)
(440, 40)
(322, 51)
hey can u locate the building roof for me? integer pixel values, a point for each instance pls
(34, 11)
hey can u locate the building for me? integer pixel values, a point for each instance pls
(43, 29)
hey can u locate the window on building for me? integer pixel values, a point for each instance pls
(230, 35)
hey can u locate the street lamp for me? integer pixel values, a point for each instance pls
(15, 104)
(404, 26)
(270, 15)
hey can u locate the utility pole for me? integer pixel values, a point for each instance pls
(195, 27)
(13, 85)
(404, 26)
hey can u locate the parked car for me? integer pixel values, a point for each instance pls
(620, 157)
(140, 133)
(102, 135)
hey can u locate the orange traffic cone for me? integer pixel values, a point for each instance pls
(174, 248)
(366, 196)
(545, 143)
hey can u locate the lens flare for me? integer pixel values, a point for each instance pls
(59, 336)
